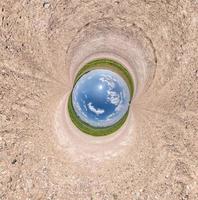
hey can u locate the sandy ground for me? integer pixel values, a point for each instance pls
(37, 40)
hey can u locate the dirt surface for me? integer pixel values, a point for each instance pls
(161, 159)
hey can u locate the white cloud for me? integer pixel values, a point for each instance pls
(96, 111)
(113, 97)
(111, 116)
(78, 107)
(109, 80)
(119, 108)
(84, 115)
(84, 105)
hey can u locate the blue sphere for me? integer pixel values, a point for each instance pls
(100, 98)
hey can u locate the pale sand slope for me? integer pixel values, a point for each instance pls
(161, 161)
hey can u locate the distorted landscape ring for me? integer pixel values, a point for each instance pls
(100, 99)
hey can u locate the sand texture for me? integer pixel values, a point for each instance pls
(154, 156)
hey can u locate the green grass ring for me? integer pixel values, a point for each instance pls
(100, 64)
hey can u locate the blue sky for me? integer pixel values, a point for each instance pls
(101, 98)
